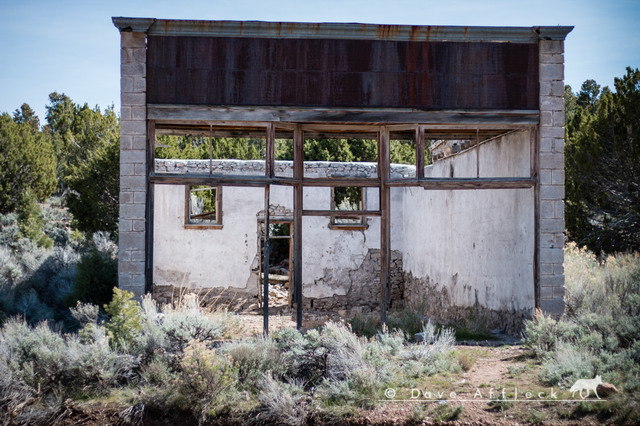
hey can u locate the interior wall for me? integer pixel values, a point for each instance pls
(469, 253)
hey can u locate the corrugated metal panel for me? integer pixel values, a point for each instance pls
(341, 73)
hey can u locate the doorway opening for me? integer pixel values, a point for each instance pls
(280, 262)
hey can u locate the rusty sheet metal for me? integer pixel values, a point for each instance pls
(237, 71)
(327, 30)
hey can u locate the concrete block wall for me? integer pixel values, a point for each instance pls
(551, 179)
(133, 162)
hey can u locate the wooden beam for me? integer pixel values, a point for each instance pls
(298, 173)
(341, 182)
(198, 113)
(149, 217)
(335, 213)
(385, 223)
(270, 152)
(466, 183)
(420, 152)
(535, 149)
(218, 180)
(265, 263)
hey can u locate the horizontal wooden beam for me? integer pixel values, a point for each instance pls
(341, 182)
(466, 183)
(334, 213)
(261, 181)
(195, 113)
(218, 180)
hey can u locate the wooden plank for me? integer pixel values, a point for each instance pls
(149, 217)
(420, 152)
(334, 213)
(534, 136)
(341, 182)
(186, 114)
(265, 263)
(270, 152)
(298, 172)
(467, 183)
(218, 180)
(385, 223)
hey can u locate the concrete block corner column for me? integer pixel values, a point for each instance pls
(551, 222)
(133, 162)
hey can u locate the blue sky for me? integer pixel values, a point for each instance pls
(72, 46)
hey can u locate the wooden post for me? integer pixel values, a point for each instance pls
(151, 155)
(298, 174)
(268, 171)
(265, 262)
(420, 152)
(533, 161)
(385, 229)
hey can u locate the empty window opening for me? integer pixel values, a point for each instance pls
(402, 152)
(210, 150)
(203, 206)
(348, 198)
(283, 153)
(321, 148)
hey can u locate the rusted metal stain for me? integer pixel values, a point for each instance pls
(245, 71)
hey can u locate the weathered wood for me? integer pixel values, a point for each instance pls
(265, 263)
(385, 222)
(235, 115)
(534, 136)
(465, 183)
(149, 229)
(336, 213)
(270, 152)
(217, 180)
(420, 152)
(298, 172)
(341, 182)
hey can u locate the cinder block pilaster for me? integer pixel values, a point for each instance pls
(551, 179)
(133, 162)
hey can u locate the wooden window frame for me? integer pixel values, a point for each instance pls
(187, 210)
(349, 226)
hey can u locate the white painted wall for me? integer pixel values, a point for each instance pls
(478, 244)
(225, 257)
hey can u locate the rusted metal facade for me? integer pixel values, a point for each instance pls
(234, 71)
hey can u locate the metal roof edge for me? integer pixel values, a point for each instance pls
(263, 29)
(136, 25)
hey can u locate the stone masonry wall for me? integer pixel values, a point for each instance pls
(133, 182)
(551, 179)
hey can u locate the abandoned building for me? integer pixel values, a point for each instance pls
(456, 209)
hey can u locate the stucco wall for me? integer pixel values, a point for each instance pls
(469, 254)
(332, 258)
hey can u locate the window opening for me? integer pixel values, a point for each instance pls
(325, 151)
(348, 198)
(402, 154)
(210, 150)
(203, 205)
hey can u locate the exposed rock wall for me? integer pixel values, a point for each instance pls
(363, 286)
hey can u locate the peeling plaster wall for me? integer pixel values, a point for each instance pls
(469, 254)
(225, 258)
